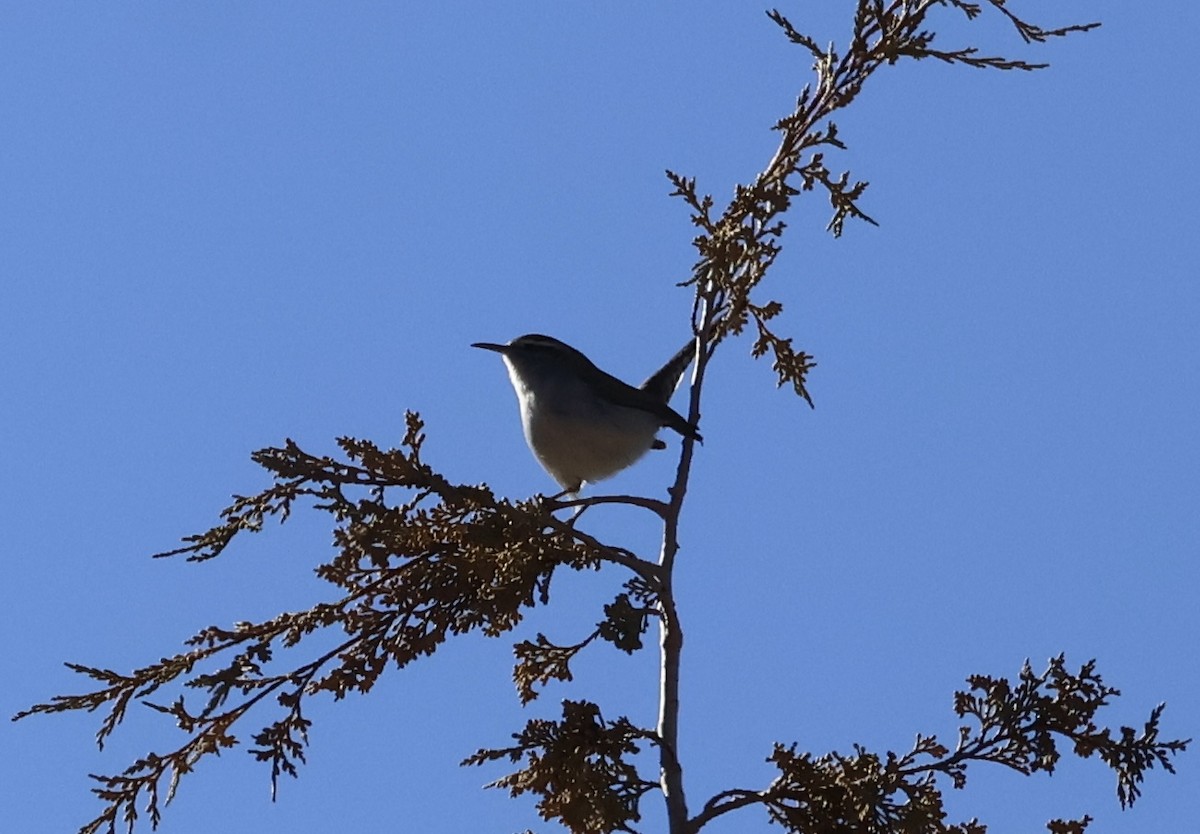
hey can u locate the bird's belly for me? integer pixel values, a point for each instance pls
(575, 447)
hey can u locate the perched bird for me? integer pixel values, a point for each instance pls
(582, 424)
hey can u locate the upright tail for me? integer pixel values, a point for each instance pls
(662, 384)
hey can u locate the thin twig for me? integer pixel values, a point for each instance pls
(659, 508)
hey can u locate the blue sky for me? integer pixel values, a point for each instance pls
(225, 224)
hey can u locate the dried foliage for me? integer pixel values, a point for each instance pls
(420, 559)
(737, 248)
(577, 767)
(446, 559)
(1019, 726)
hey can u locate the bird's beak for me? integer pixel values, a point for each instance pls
(490, 346)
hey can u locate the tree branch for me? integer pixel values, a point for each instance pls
(659, 508)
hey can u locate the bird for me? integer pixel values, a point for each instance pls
(582, 424)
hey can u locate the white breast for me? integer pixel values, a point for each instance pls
(578, 438)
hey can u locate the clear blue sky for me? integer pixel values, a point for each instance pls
(224, 224)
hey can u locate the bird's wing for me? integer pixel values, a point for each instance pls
(654, 393)
(631, 397)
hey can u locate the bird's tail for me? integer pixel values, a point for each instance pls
(665, 380)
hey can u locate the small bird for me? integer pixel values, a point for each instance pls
(582, 424)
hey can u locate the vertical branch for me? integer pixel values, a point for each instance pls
(711, 321)
(669, 768)
(670, 629)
